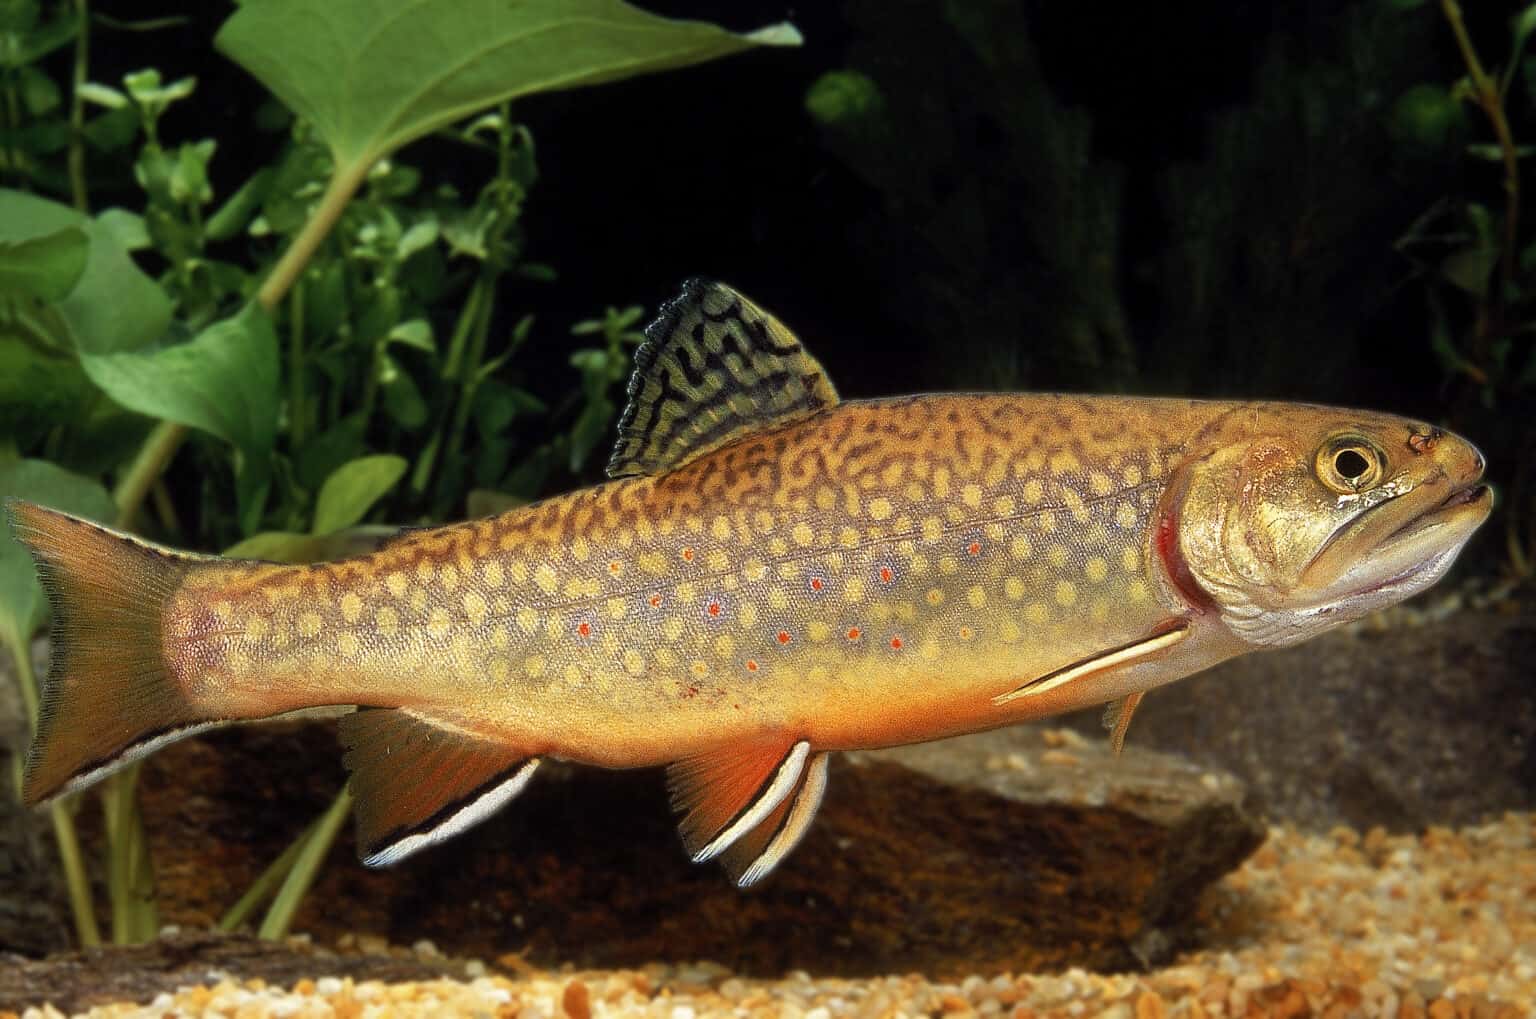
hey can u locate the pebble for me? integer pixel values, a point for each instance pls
(1436, 926)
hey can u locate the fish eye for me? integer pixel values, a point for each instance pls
(1349, 464)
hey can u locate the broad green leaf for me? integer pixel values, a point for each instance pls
(46, 268)
(21, 597)
(372, 75)
(224, 381)
(349, 493)
(114, 306)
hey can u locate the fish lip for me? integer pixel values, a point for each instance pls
(1468, 495)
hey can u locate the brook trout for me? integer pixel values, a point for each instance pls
(770, 576)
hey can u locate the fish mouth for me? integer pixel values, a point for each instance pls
(1422, 549)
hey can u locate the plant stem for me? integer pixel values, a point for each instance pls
(296, 409)
(79, 886)
(306, 866)
(264, 885)
(1488, 97)
(77, 110)
(469, 380)
(147, 466)
(343, 185)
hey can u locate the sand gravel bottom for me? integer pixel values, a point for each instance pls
(1439, 925)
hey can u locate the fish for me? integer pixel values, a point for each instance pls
(769, 576)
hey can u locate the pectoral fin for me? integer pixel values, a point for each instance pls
(1117, 719)
(1114, 658)
(726, 793)
(418, 780)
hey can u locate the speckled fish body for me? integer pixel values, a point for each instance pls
(772, 576)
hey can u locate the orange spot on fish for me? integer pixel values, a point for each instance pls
(896, 643)
(751, 665)
(614, 566)
(783, 637)
(817, 583)
(714, 610)
(854, 633)
(974, 548)
(583, 629)
(966, 633)
(887, 575)
(687, 553)
(655, 601)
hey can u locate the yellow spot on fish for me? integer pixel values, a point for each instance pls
(491, 573)
(518, 571)
(762, 520)
(527, 620)
(1034, 491)
(847, 537)
(941, 483)
(778, 546)
(720, 528)
(672, 628)
(1037, 613)
(826, 498)
(1125, 516)
(914, 492)
(1130, 560)
(309, 623)
(255, 627)
(699, 668)
(419, 599)
(802, 534)
(501, 670)
(1066, 593)
(580, 550)
(573, 588)
(971, 495)
(929, 651)
(474, 607)
(1013, 587)
(879, 508)
(386, 620)
(1131, 475)
(438, 624)
(1004, 505)
(652, 561)
(1075, 504)
(449, 576)
(634, 662)
(1019, 547)
(754, 569)
(934, 596)
(1057, 554)
(396, 584)
(546, 578)
(853, 590)
(977, 597)
(533, 665)
(347, 643)
(617, 607)
(1136, 590)
(948, 565)
(1064, 461)
(1009, 631)
(933, 528)
(1047, 521)
(501, 638)
(790, 570)
(1099, 610)
(1096, 569)
(777, 599)
(747, 614)
(1099, 483)
(725, 645)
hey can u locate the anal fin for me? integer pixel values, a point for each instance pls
(417, 780)
(1117, 719)
(725, 794)
(753, 856)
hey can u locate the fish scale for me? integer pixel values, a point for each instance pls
(771, 576)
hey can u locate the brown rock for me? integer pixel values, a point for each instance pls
(962, 857)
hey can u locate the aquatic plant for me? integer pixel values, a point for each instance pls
(1475, 255)
(250, 388)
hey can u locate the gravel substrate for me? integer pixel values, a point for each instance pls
(1439, 925)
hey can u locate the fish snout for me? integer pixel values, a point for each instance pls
(1461, 462)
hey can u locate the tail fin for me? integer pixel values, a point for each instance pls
(109, 698)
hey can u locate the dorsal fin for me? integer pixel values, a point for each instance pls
(714, 367)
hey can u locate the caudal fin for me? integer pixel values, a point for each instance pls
(108, 698)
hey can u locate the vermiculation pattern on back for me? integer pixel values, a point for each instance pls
(919, 539)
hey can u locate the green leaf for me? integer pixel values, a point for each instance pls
(114, 306)
(224, 381)
(45, 268)
(486, 502)
(127, 228)
(21, 598)
(372, 75)
(349, 493)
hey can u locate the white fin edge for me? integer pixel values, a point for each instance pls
(784, 780)
(467, 816)
(1109, 660)
(795, 825)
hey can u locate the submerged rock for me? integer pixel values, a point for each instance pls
(1015, 850)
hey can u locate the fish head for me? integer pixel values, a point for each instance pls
(1290, 519)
